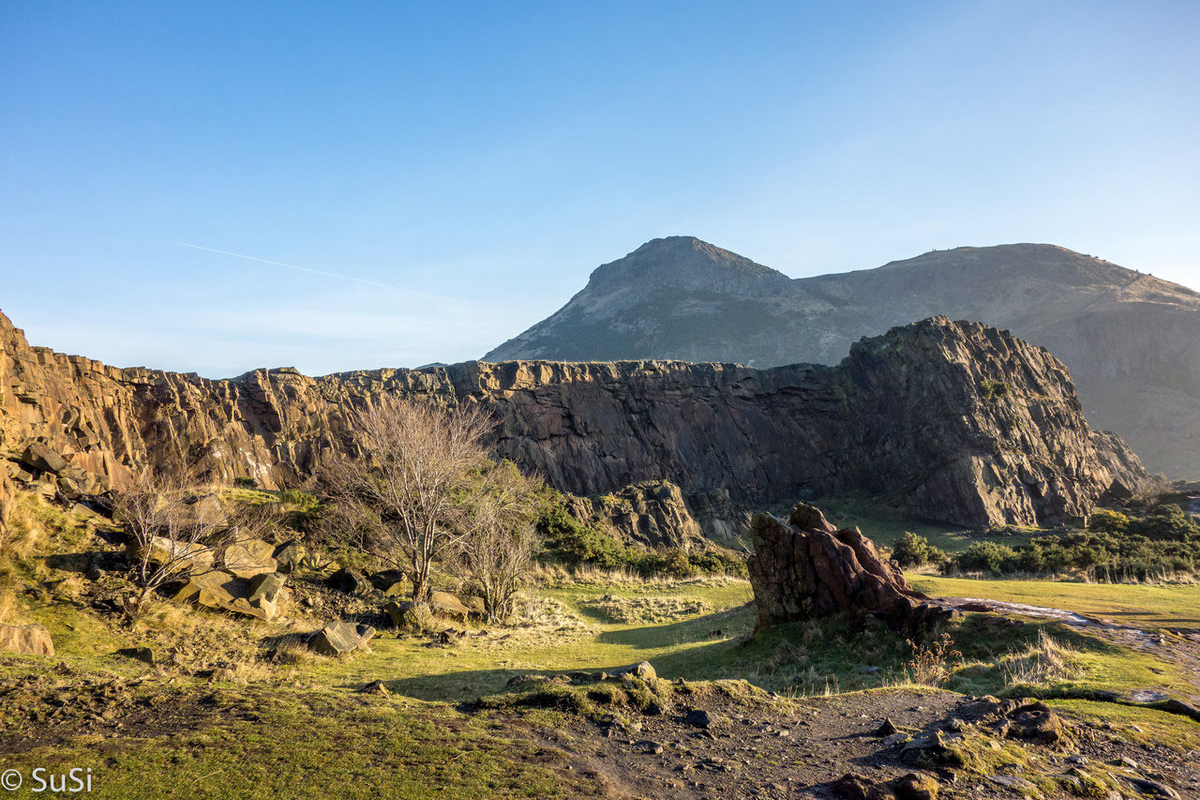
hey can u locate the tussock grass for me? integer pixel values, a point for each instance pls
(647, 609)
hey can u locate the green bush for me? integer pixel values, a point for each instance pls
(912, 550)
(568, 541)
(1112, 547)
(244, 482)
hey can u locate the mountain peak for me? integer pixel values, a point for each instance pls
(684, 262)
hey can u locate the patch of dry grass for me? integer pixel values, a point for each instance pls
(628, 610)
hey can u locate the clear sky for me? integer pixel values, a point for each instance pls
(482, 158)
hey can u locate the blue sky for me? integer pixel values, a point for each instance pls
(483, 158)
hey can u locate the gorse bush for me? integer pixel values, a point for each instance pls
(1113, 546)
(568, 541)
(912, 550)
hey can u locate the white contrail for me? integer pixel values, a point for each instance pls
(300, 269)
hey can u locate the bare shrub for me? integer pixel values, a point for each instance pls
(498, 548)
(176, 530)
(405, 497)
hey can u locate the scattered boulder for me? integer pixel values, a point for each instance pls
(887, 728)
(191, 557)
(1036, 722)
(698, 718)
(648, 747)
(41, 458)
(32, 640)
(375, 687)
(348, 581)
(267, 586)
(290, 557)
(806, 568)
(249, 558)
(143, 654)
(642, 670)
(336, 638)
(223, 591)
(445, 604)
(852, 787)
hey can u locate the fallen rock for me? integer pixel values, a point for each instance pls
(267, 586)
(445, 604)
(649, 747)
(1036, 722)
(186, 558)
(1152, 788)
(348, 581)
(698, 718)
(852, 787)
(887, 728)
(43, 459)
(222, 591)
(32, 640)
(375, 687)
(335, 639)
(249, 558)
(290, 557)
(143, 654)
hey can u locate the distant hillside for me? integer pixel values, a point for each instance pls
(1132, 341)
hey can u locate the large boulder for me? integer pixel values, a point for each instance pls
(805, 568)
(43, 459)
(350, 581)
(290, 557)
(445, 604)
(249, 558)
(226, 592)
(338, 638)
(33, 640)
(189, 557)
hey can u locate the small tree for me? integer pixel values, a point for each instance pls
(408, 491)
(499, 546)
(168, 535)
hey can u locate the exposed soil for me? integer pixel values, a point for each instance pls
(800, 749)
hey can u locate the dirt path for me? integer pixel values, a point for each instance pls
(801, 749)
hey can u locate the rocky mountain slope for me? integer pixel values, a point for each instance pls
(956, 421)
(1131, 341)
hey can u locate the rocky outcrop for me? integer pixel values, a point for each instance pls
(1128, 338)
(955, 421)
(653, 514)
(806, 568)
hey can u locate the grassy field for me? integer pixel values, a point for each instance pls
(1153, 606)
(885, 525)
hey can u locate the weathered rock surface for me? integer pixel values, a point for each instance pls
(338, 638)
(806, 568)
(913, 416)
(250, 557)
(224, 591)
(32, 640)
(653, 513)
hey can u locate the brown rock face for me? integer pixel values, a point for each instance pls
(956, 421)
(806, 568)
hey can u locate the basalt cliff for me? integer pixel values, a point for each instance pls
(954, 421)
(1129, 339)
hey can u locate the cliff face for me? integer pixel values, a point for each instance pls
(1129, 339)
(955, 421)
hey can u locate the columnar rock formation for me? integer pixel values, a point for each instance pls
(806, 568)
(955, 421)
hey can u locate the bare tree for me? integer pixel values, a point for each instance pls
(499, 546)
(410, 491)
(171, 533)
